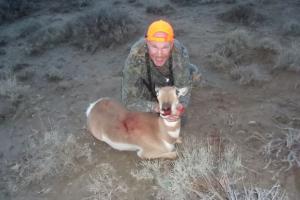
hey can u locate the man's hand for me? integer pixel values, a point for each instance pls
(178, 114)
(180, 110)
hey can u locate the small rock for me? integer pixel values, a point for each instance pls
(63, 85)
(241, 132)
(252, 123)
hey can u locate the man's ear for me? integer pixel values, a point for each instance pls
(182, 91)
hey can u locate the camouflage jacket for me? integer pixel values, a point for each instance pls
(135, 93)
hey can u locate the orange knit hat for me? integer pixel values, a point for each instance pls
(160, 31)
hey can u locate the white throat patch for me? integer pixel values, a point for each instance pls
(169, 123)
(174, 134)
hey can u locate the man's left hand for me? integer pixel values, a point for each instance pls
(180, 110)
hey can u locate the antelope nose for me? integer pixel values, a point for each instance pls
(166, 108)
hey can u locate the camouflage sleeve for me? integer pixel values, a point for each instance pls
(132, 96)
(181, 73)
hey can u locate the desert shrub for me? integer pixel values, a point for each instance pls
(231, 51)
(240, 48)
(47, 153)
(9, 87)
(249, 75)
(48, 38)
(291, 28)
(54, 74)
(22, 71)
(288, 60)
(14, 9)
(11, 94)
(235, 43)
(203, 172)
(160, 10)
(242, 14)
(30, 28)
(104, 28)
(66, 6)
(219, 62)
(193, 2)
(100, 29)
(104, 185)
(25, 75)
(19, 67)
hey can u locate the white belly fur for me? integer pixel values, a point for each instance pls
(120, 146)
(169, 146)
(88, 110)
(174, 134)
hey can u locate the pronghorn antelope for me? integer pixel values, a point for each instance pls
(152, 135)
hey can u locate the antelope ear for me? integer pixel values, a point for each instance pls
(182, 91)
(157, 90)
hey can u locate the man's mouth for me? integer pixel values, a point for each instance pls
(159, 61)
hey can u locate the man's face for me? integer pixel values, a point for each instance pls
(159, 52)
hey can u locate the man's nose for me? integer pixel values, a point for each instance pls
(159, 52)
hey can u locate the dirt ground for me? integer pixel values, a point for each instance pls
(45, 150)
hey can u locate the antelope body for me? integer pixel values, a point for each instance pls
(152, 135)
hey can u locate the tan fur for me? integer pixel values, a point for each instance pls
(147, 133)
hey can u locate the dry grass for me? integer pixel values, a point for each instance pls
(199, 173)
(47, 153)
(104, 185)
(275, 192)
(288, 60)
(10, 88)
(250, 75)
(282, 150)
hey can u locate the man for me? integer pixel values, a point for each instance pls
(155, 61)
